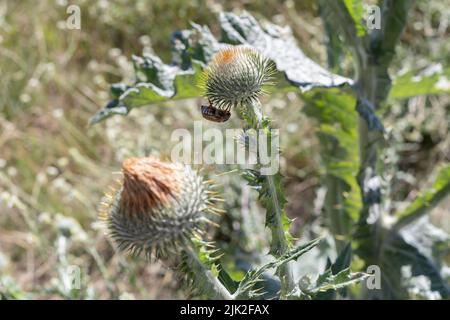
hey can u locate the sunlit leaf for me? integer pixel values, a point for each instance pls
(335, 113)
(433, 80)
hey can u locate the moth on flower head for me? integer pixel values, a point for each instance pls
(235, 76)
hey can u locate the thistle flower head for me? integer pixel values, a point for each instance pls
(236, 76)
(157, 206)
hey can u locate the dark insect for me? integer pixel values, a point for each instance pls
(212, 113)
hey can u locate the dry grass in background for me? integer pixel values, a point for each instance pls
(54, 169)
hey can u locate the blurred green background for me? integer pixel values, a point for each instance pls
(54, 168)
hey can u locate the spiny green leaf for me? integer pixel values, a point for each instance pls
(343, 260)
(253, 276)
(329, 281)
(227, 281)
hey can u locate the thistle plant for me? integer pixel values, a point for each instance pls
(160, 208)
(233, 75)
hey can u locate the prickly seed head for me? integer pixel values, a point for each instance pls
(157, 206)
(235, 76)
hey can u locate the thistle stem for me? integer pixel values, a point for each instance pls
(286, 274)
(210, 282)
(255, 119)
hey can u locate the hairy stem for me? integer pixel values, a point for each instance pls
(285, 272)
(254, 118)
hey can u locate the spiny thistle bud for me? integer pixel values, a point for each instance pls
(157, 207)
(236, 76)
